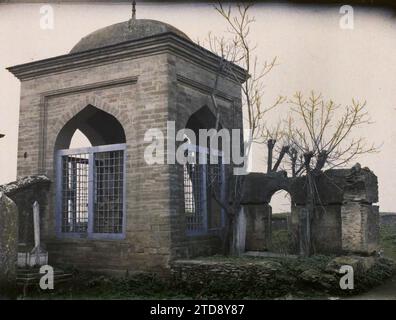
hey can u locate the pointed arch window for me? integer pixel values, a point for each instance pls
(203, 179)
(91, 184)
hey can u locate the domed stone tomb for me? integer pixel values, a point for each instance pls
(125, 31)
(107, 208)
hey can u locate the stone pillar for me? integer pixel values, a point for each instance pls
(240, 233)
(359, 217)
(304, 232)
(359, 227)
(293, 228)
(8, 246)
(258, 227)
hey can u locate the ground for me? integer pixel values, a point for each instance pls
(232, 277)
(386, 291)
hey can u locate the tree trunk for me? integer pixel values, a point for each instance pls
(227, 238)
(310, 206)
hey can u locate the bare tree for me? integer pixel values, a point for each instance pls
(318, 135)
(321, 134)
(325, 132)
(238, 49)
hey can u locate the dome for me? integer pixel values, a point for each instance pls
(120, 32)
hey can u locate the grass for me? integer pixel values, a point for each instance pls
(280, 241)
(92, 286)
(388, 241)
(303, 277)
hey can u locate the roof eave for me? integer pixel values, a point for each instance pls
(148, 45)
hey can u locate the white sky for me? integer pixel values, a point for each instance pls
(314, 54)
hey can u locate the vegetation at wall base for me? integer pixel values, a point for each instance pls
(220, 277)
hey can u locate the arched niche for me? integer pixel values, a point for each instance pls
(202, 181)
(100, 128)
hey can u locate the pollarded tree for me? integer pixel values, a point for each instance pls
(318, 135)
(321, 134)
(324, 132)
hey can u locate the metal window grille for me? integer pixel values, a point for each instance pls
(215, 178)
(198, 178)
(91, 190)
(75, 193)
(194, 197)
(108, 207)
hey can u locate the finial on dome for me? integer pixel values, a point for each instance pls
(133, 10)
(133, 18)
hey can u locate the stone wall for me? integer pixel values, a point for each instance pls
(325, 229)
(387, 218)
(252, 278)
(189, 92)
(345, 218)
(258, 227)
(137, 105)
(360, 227)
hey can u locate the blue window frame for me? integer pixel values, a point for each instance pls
(90, 192)
(199, 177)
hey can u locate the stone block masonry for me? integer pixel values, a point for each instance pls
(141, 84)
(346, 218)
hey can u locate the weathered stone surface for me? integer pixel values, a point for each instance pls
(24, 192)
(361, 185)
(258, 224)
(270, 277)
(22, 183)
(336, 186)
(352, 237)
(373, 229)
(358, 263)
(259, 187)
(317, 279)
(326, 230)
(232, 277)
(345, 218)
(8, 246)
(350, 227)
(360, 227)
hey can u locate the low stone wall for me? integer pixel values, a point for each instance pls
(387, 218)
(228, 278)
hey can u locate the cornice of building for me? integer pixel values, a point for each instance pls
(162, 43)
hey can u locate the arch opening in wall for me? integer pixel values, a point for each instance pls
(280, 208)
(100, 128)
(204, 181)
(90, 188)
(79, 140)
